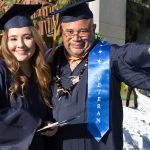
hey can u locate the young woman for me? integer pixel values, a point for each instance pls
(24, 82)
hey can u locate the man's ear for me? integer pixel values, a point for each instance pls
(59, 29)
(94, 28)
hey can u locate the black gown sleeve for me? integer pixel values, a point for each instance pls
(17, 126)
(3, 88)
(131, 64)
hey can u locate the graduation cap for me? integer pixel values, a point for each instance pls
(18, 16)
(76, 11)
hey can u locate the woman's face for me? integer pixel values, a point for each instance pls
(21, 43)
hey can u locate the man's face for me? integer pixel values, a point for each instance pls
(78, 36)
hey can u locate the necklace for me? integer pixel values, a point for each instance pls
(61, 91)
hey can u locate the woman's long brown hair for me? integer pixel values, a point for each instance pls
(41, 70)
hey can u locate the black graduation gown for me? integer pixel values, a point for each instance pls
(130, 64)
(19, 117)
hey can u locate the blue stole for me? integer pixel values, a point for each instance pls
(98, 89)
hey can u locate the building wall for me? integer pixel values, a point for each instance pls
(110, 18)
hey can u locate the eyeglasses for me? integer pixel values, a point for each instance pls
(71, 33)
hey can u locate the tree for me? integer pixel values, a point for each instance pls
(137, 16)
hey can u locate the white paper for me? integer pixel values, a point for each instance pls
(50, 125)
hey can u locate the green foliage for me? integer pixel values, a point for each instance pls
(99, 36)
(123, 86)
(36, 21)
(1, 14)
(63, 3)
(9, 3)
(142, 2)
